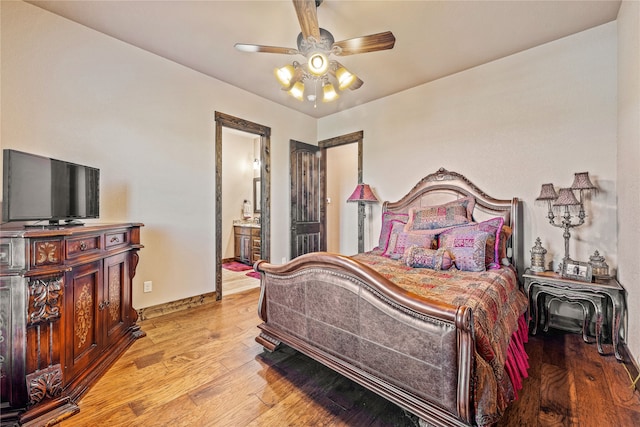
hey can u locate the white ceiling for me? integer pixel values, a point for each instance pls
(433, 38)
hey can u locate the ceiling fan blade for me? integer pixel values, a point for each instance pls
(364, 44)
(308, 18)
(266, 49)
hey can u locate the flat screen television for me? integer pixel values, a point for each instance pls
(37, 188)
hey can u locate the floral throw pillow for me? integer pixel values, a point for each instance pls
(468, 249)
(449, 214)
(435, 259)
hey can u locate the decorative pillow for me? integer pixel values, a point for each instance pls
(436, 217)
(399, 241)
(492, 226)
(468, 249)
(385, 231)
(505, 235)
(436, 259)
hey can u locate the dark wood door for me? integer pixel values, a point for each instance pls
(308, 185)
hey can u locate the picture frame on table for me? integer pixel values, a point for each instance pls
(577, 270)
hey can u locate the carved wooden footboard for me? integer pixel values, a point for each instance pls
(416, 353)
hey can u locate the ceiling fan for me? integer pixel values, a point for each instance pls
(316, 45)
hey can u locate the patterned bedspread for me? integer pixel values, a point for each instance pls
(496, 302)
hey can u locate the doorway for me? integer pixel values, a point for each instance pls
(260, 187)
(338, 146)
(308, 175)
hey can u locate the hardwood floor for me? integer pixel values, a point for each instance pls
(237, 281)
(202, 367)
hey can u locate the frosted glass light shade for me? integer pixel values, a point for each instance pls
(284, 75)
(345, 78)
(297, 91)
(318, 64)
(329, 92)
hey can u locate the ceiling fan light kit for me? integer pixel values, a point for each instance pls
(317, 44)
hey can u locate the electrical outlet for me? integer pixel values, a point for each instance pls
(148, 286)
(284, 260)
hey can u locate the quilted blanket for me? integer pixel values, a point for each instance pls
(496, 302)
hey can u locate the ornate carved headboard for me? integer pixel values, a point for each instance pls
(444, 186)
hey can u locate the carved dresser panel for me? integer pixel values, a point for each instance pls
(65, 314)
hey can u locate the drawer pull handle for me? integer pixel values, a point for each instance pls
(83, 246)
(104, 304)
(114, 239)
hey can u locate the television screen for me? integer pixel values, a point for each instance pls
(40, 188)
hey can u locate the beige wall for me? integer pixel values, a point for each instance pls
(148, 124)
(627, 163)
(510, 125)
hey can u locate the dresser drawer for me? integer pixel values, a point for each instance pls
(46, 252)
(116, 239)
(84, 245)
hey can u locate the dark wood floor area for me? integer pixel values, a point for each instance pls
(202, 367)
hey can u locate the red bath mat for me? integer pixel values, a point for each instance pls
(236, 266)
(253, 274)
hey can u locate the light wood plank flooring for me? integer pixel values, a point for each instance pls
(237, 281)
(202, 367)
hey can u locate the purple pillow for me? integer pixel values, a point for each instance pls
(387, 223)
(399, 241)
(468, 249)
(426, 219)
(435, 259)
(492, 226)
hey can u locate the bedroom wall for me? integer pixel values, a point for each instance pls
(70, 92)
(510, 125)
(627, 162)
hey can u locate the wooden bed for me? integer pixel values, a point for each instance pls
(415, 351)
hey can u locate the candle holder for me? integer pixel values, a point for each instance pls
(537, 257)
(562, 204)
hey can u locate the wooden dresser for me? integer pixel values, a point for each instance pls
(65, 314)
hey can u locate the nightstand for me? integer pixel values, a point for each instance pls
(601, 294)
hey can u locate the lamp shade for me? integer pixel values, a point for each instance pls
(363, 193)
(581, 181)
(566, 198)
(297, 91)
(329, 92)
(547, 192)
(284, 75)
(345, 78)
